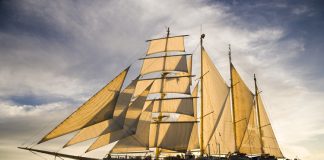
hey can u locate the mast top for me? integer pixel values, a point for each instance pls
(168, 31)
(230, 53)
(202, 36)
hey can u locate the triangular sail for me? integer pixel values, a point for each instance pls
(98, 108)
(243, 103)
(131, 120)
(251, 141)
(215, 101)
(270, 144)
(109, 125)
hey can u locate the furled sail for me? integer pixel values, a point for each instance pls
(215, 101)
(243, 103)
(251, 141)
(165, 63)
(270, 144)
(176, 84)
(108, 125)
(138, 141)
(169, 44)
(98, 108)
(129, 127)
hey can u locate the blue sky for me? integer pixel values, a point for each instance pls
(56, 54)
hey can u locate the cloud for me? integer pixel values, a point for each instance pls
(54, 55)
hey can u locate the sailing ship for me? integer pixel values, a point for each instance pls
(163, 113)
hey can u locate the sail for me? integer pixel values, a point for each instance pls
(165, 63)
(131, 120)
(98, 108)
(109, 125)
(138, 141)
(174, 136)
(222, 139)
(243, 103)
(270, 144)
(169, 44)
(174, 105)
(215, 95)
(251, 141)
(180, 84)
(193, 141)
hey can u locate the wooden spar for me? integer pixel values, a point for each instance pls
(232, 94)
(201, 99)
(57, 154)
(258, 111)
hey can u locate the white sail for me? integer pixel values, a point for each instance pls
(165, 63)
(166, 45)
(109, 125)
(98, 108)
(129, 127)
(215, 101)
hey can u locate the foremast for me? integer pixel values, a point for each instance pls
(258, 112)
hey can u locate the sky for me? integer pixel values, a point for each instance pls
(55, 54)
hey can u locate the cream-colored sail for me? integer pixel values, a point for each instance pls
(98, 108)
(166, 45)
(165, 63)
(170, 85)
(138, 141)
(270, 144)
(109, 125)
(222, 139)
(193, 141)
(251, 141)
(174, 136)
(174, 105)
(215, 93)
(131, 120)
(243, 103)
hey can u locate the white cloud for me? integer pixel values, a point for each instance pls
(95, 40)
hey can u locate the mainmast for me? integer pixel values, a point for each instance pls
(202, 95)
(232, 94)
(258, 111)
(157, 150)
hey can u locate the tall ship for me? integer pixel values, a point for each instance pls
(166, 112)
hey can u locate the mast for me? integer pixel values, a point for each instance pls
(258, 111)
(157, 150)
(201, 99)
(232, 94)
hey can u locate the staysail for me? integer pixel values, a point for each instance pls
(108, 125)
(243, 103)
(270, 144)
(98, 108)
(131, 120)
(216, 109)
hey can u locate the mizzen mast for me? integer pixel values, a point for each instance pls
(258, 112)
(232, 95)
(202, 95)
